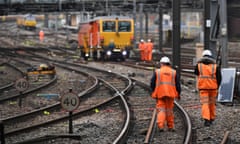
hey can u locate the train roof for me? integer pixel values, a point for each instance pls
(26, 15)
(107, 18)
(112, 17)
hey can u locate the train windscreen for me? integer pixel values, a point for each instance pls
(124, 26)
(109, 26)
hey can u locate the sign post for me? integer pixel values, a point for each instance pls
(70, 102)
(2, 137)
(21, 85)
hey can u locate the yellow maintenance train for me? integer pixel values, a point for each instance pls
(107, 37)
(27, 21)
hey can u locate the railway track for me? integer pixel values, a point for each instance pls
(119, 91)
(17, 131)
(11, 72)
(190, 102)
(190, 105)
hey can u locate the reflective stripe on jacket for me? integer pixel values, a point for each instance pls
(207, 76)
(165, 83)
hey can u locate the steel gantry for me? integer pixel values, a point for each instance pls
(215, 30)
(97, 6)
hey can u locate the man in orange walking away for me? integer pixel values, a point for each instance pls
(142, 47)
(149, 49)
(165, 84)
(209, 80)
(41, 35)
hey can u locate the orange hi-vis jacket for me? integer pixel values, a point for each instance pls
(41, 35)
(165, 83)
(207, 76)
(142, 46)
(149, 46)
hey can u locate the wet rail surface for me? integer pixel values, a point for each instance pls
(123, 91)
(11, 73)
(188, 107)
(119, 86)
(192, 106)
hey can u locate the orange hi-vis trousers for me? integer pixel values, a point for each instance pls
(165, 112)
(142, 49)
(149, 51)
(208, 101)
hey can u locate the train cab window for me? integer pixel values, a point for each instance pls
(124, 26)
(109, 26)
(30, 17)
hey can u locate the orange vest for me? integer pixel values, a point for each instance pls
(149, 46)
(142, 46)
(207, 76)
(165, 83)
(41, 34)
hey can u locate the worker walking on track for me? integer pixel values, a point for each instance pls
(165, 85)
(142, 48)
(209, 80)
(41, 35)
(149, 49)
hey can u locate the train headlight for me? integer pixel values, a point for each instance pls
(109, 53)
(124, 53)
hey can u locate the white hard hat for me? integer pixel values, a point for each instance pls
(165, 60)
(142, 40)
(207, 53)
(43, 65)
(149, 40)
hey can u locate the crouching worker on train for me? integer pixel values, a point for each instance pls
(165, 85)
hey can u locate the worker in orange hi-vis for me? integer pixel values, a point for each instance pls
(41, 35)
(165, 85)
(149, 49)
(142, 47)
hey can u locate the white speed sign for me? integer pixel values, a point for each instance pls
(21, 84)
(69, 101)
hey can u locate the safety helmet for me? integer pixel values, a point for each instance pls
(149, 40)
(142, 40)
(43, 66)
(207, 53)
(165, 60)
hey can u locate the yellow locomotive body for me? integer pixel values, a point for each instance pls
(42, 69)
(108, 37)
(27, 21)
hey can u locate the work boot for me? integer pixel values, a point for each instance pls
(160, 129)
(171, 130)
(207, 123)
(211, 121)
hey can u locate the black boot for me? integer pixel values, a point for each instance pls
(211, 121)
(207, 123)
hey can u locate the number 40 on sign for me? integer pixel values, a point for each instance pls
(70, 101)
